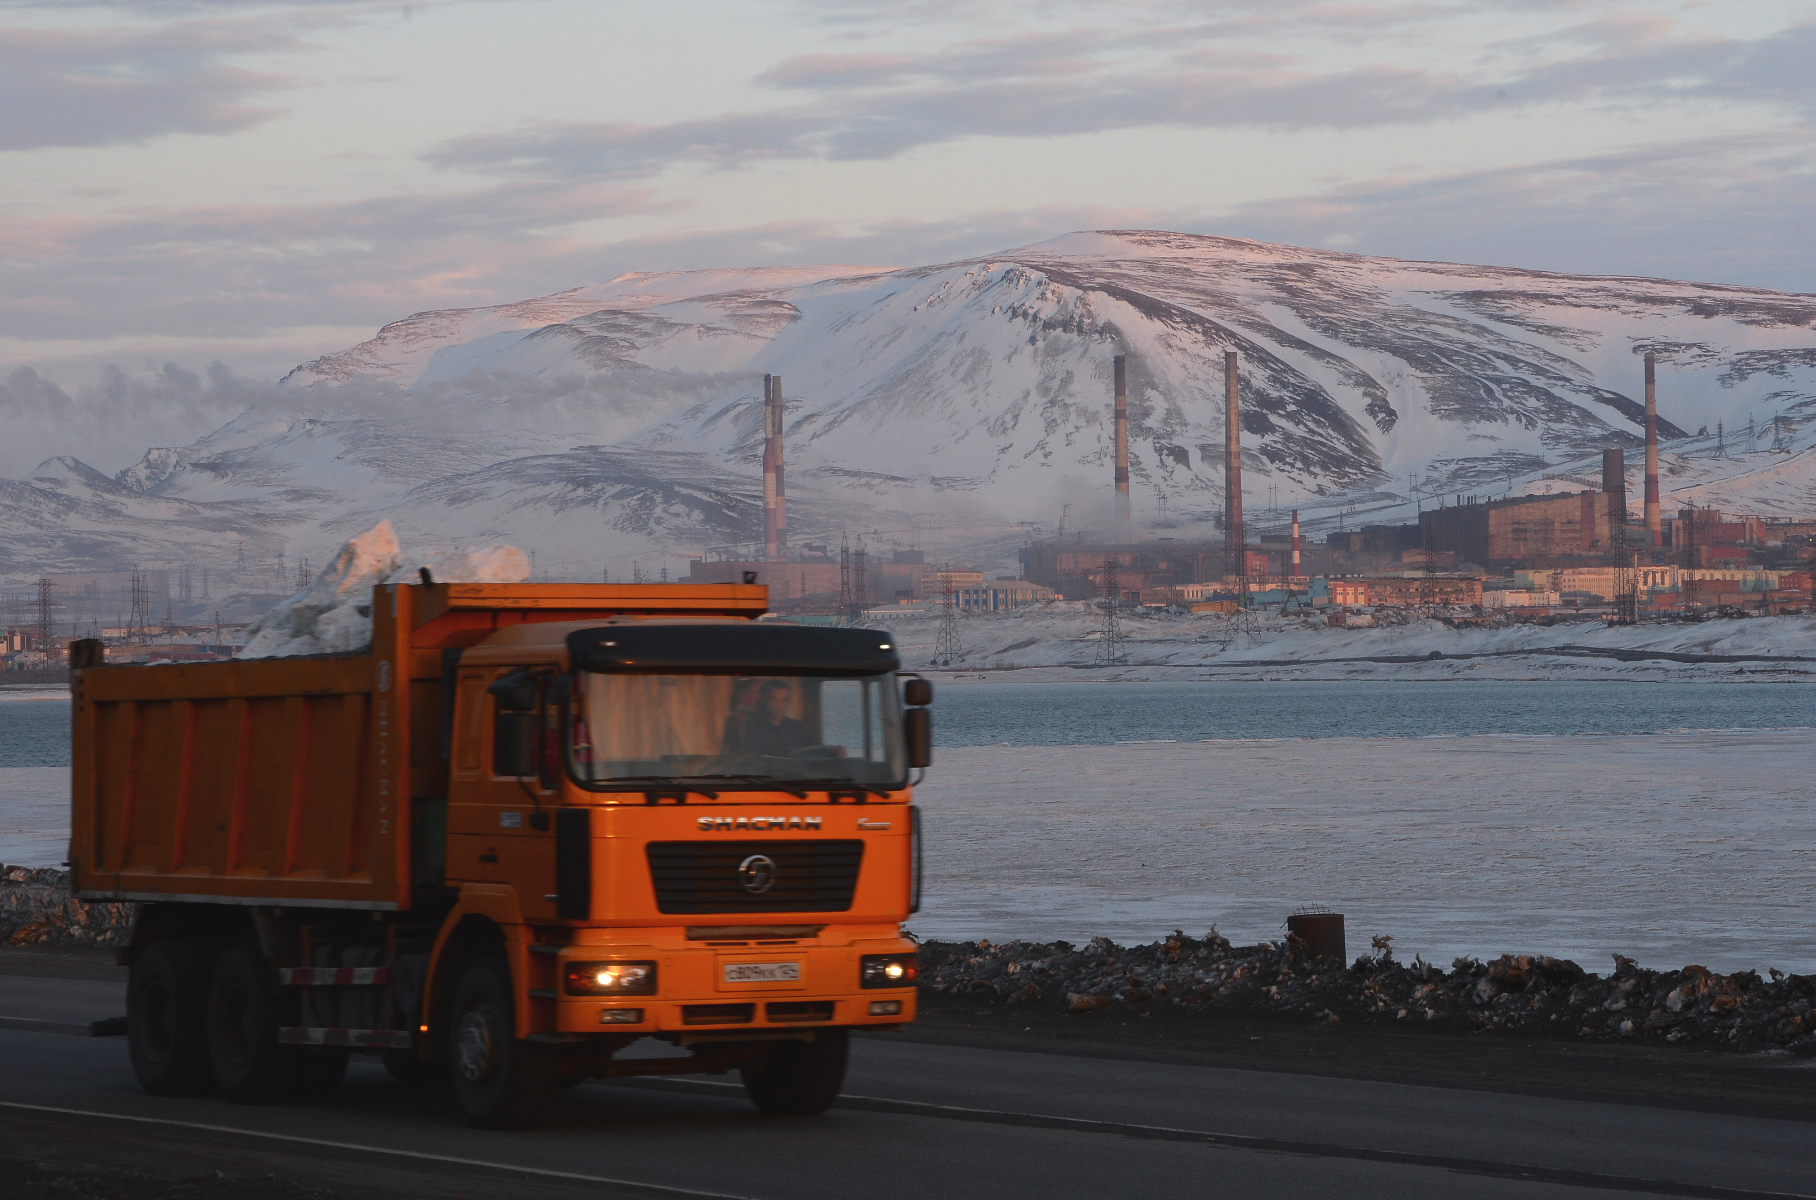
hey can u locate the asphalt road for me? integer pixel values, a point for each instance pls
(917, 1120)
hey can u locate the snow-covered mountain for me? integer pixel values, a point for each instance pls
(954, 405)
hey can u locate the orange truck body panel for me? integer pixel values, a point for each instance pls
(271, 781)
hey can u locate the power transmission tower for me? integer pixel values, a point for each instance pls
(949, 646)
(1626, 573)
(860, 583)
(139, 619)
(1428, 587)
(1781, 437)
(302, 574)
(46, 602)
(1721, 440)
(845, 605)
(1112, 650)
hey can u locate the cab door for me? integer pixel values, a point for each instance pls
(501, 828)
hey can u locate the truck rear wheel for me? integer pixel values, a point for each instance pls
(250, 1067)
(166, 997)
(501, 1081)
(799, 1079)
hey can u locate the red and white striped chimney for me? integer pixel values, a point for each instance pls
(1296, 572)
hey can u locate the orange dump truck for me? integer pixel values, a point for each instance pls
(532, 825)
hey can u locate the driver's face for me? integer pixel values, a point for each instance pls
(775, 701)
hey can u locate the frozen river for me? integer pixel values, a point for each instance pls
(1669, 822)
(1689, 848)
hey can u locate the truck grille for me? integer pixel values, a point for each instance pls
(712, 877)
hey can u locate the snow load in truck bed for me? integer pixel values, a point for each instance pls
(333, 615)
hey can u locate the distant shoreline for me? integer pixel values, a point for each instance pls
(10, 679)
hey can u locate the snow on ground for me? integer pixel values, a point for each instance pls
(1066, 635)
(1671, 850)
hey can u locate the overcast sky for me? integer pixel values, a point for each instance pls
(257, 183)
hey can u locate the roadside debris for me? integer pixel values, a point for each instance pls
(36, 909)
(1516, 993)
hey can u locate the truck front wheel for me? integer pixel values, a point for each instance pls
(166, 996)
(501, 1081)
(250, 1066)
(799, 1079)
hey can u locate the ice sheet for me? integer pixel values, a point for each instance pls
(34, 816)
(1672, 850)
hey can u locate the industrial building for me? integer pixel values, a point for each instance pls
(1498, 533)
(1390, 590)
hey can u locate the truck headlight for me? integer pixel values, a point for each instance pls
(611, 979)
(886, 970)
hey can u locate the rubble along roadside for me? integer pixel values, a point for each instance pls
(37, 909)
(1523, 994)
(1516, 993)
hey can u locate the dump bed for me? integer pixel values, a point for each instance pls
(271, 781)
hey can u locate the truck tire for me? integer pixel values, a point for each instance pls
(501, 1081)
(799, 1079)
(166, 996)
(250, 1067)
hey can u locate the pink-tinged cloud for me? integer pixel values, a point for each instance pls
(112, 86)
(838, 70)
(1086, 81)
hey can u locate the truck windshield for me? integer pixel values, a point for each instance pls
(737, 731)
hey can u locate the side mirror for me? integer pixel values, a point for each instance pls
(917, 691)
(917, 732)
(514, 744)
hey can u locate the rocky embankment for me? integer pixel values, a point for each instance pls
(1516, 993)
(36, 909)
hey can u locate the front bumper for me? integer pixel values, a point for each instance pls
(693, 995)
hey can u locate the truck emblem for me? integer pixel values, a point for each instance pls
(710, 824)
(757, 874)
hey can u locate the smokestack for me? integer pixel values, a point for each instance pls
(1614, 484)
(1653, 525)
(1295, 571)
(1122, 446)
(775, 506)
(781, 482)
(1232, 468)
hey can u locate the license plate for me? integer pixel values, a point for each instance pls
(762, 972)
